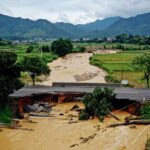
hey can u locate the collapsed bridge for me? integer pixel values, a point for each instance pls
(63, 92)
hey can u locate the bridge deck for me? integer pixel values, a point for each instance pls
(121, 92)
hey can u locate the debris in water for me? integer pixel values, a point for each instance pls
(85, 140)
(74, 107)
(74, 145)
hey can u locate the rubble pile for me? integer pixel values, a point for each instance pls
(38, 107)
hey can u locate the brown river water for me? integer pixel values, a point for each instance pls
(67, 133)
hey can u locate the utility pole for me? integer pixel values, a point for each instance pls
(42, 59)
(122, 73)
(41, 54)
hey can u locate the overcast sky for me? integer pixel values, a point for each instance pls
(73, 11)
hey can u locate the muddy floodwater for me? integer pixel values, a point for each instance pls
(74, 68)
(63, 131)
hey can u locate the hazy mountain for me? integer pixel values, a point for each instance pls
(139, 24)
(11, 27)
(18, 27)
(73, 30)
(99, 24)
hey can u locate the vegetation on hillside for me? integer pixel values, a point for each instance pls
(28, 29)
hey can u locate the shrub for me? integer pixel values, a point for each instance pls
(84, 115)
(110, 78)
(45, 48)
(82, 49)
(30, 49)
(145, 110)
(5, 115)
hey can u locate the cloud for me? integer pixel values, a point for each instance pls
(74, 11)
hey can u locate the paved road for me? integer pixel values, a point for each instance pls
(121, 92)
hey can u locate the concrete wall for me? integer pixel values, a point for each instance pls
(71, 84)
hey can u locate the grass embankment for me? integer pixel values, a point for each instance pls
(119, 66)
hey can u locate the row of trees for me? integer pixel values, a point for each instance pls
(132, 39)
(5, 43)
(60, 47)
(122, 38)
(44, 48)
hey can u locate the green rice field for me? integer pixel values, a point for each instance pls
(120, 67)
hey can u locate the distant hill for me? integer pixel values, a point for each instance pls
(18, 27)
(14, 28)
(99, 24)
(71, 29)
(139, 24)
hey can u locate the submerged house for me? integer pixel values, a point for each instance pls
(64, 92)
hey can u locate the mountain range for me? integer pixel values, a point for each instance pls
(19, 28)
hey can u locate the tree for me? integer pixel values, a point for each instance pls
(97, 103)
(145, 110)
(61, 47)
(142, 63)
(123, 38)
(9, 75)
(82, 49)
(35, 66)
(30, 49)
(45, 48)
